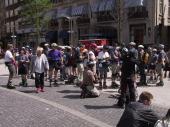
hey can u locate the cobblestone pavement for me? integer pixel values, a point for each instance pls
(22, 111)
(101, 108)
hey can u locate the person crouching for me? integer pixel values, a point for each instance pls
(40, 66)
(88, 87)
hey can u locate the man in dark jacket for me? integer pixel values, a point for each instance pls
(139, 114)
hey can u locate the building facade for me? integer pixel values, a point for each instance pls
(122, 21)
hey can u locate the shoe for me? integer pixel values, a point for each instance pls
(114, 85)
(42, 90)
(37, 90)
(50, 82)
(20, 84)
(10, 86)
(160, 84)
(104, 85)
(25, 84)
(100, 86)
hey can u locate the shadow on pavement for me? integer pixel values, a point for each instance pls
(4, 75)
(28, 91)
(72, 96)
(69, 91)
(97, 107)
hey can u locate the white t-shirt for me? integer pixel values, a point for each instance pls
(103, 55)
(161, 124)
(92, 56)
(8, 56)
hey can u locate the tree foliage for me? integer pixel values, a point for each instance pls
(33, 11)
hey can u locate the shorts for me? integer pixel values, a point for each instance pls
(167, 67)
(152, 67)
(115, 68)
(54, 65)
(11, 68)
(22, 70)
(159, 68)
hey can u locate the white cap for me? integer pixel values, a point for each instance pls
(161, 46)
(141, 46)
(46, 44)
(154, 50)
(132, 43)
(53, 45)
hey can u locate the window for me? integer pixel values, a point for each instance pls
(7, 14)
(161, 7)
(6, 3)
(10, 2)
(169, 9)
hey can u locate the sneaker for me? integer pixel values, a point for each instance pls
(114, 85)
(160, 83)
(37, 90)
(104, 85)
(42, 90)
(9, 86)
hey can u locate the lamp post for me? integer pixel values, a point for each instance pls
(13, 36)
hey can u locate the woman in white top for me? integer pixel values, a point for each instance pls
(165, 122)
(40, 66)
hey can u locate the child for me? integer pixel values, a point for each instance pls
(23, 67)
(40, 66)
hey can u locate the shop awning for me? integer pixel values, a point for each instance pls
(134, 3)
(26, 30)
(95, 7)
(110, 5)
(80, 10)
(63, 12)
(102, 6)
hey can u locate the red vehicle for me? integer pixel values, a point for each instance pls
(94, 42)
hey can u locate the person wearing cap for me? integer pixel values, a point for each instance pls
(143, 59)
(115, 67)
(55, 61)
(132, 50)
(160, 64)
(88, 86)
(10, 63)
(127, 82)
(152, 64)
(23, 66)
(103, 60)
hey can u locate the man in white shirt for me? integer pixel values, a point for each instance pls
(10, 63)
(103, 58)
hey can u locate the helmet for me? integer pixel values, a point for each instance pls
(125, 50)
(132, 43)
(141, 46)
(161, 46)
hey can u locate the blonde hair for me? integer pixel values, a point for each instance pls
(39, 49)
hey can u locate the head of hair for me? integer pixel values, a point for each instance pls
(145, 96)
(39, 49)
(9, 46)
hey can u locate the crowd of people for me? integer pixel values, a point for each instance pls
(88, 67)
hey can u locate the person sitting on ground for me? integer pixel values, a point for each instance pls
(88, 87)
(139, 114)
(165, 121)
